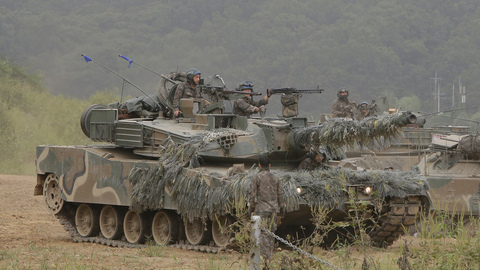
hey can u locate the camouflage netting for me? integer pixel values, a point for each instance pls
(338, 133)
(195, 198)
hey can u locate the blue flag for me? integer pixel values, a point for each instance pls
(88, 59)
(130, 61)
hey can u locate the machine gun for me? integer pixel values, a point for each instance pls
(290, 97)
(224, 92)
(287, 91)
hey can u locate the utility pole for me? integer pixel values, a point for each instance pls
(453, 95)
(436, 90)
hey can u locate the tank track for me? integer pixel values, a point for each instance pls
(399, 215)
(68, 224)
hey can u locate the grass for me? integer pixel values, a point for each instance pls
(438, 245)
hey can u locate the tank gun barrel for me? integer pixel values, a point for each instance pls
(404, 119)
(339, 132)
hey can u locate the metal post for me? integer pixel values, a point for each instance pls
(255, 257)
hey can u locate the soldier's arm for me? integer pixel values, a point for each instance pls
(178, 96)
(246, 107)
(263, 101)
(336, 110)
(303, 165)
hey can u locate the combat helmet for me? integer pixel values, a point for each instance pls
(191, 73)
(342, 90)
(364, 104)
(245, 85)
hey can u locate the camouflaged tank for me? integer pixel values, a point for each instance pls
(184, 181)
(448, 158)
(451, 165)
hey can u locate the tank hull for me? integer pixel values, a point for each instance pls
(95, 179)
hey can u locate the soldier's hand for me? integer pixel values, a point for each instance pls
(177, 112)
(255, 110)
(269, 92)
(262, 108)
(282, 211)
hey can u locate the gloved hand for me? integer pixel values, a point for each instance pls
(269, 92)
(282, 211)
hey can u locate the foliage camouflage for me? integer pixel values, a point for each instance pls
(337, 133)
(196, 198)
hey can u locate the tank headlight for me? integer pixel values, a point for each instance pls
(367, 190)
(299, 190)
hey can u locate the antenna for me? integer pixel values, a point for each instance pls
(88, 59)
(130, 61)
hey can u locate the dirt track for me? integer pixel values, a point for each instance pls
(32, 238)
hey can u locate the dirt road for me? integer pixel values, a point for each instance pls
(32, 238)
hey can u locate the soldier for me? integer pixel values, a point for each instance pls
(246, 106)
(343, 106)
(187, 89)
(266, 200)
(313, 161)
(362, 111)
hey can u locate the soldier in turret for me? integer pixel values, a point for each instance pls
(266, 200)
(315, 159)
(343, 106)
(362, 111)
(246, 106)
(187, 89)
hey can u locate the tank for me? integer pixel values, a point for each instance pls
(452, 167)
(183, 181)
(447, 156)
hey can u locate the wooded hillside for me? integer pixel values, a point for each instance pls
(374, 48)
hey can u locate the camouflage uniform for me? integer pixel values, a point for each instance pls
(365, 110)
(340, 109)
(309, 164)
(246, 106)
(266, 199)
(184, 90)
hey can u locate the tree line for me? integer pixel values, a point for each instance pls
(374, 48)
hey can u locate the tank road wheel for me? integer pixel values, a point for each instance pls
(221, 231)
(86, 220)
(111, 222)
(197, 233)
(164, 228)
(135, 227)
(52, 194)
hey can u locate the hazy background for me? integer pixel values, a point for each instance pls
(374, 48)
